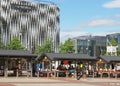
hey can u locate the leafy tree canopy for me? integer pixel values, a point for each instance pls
(45, 48)
(118, 52)
(1, 44)
(67, 46)
(113, 42)
(15, 44)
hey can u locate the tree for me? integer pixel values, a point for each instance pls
(113, 42)
(1, 44)
(67, 46)
(45, 48)
(118, 52)
(15, 44)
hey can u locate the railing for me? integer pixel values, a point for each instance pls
(17, 73)
(115, 73)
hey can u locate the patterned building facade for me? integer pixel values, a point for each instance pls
(33, 23)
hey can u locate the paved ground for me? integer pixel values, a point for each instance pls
(23, 81)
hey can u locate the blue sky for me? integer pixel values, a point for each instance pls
(88, 17)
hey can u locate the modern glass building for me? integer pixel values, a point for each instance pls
(92, 45)
(33, 23)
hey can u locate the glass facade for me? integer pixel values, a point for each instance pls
(91, 45)
(119, 39)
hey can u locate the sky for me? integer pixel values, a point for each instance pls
(88, 17)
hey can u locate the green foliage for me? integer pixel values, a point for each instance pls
(104, 53)
(118, 52)
(1, 44)
(15, 44)
(67, 47)
(113, 42)
(45, 48)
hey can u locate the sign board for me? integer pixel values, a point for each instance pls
(22, 7)
(111, 49)
(118, 67)
(45, 59)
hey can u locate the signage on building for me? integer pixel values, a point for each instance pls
(23, 8)
(112, 49)
(45, 59)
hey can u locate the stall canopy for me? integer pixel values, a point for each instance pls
(16, 53)
(110, 58)
(58, 56)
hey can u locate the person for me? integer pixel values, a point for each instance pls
(71, 71)
(33, 69)
(2, 70)
(19, 68)
(84, 72)
(59, 67)
(81, 72)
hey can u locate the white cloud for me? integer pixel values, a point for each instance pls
(117, 16)
(112, 4)
(66, 34)
(100, 23)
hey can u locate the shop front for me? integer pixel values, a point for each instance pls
(66, 65)
(108, 66)
(15, 63)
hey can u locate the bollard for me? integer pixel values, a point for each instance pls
(28, 73)
(57, 74)
(109, 75)
(93, 74)
(31, 73)
(101, 75)
(75, 74)
(38, 74)
(116, 75)
(5, 73)
(54, 74)
(67, 74)
(47, 74)
(17, 72)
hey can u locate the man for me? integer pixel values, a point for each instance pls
(79, 71)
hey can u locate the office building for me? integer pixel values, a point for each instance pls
(92, 45)
(32, 22)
